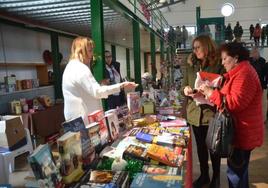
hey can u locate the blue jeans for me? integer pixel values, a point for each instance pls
(237, 171)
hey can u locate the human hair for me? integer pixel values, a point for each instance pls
(80, 48)
(209, 48)
(235, 49)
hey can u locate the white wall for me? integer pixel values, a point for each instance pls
(246, 11)
(121, 58)
(27, 46)
(65, 48)
(22, 46)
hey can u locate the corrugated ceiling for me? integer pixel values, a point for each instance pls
(72, 17)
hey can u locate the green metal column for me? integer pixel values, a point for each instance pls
(198, 16)
(152, 39)
(137, 54)
(128, 62)
(113, 52)
(56, 65)
(161, 50)
(145, 62)
(97, 36)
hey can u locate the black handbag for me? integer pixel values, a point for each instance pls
(220, 132)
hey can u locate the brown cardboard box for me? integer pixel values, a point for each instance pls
(12, 133)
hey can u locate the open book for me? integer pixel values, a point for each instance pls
(210, 79)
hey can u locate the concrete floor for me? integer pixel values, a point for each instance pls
(258, 168)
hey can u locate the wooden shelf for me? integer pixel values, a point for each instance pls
(41, 69)
(26, 90)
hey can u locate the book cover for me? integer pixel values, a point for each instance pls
(113, 125)
(94, 134)
(174, 123)
(133, 102)
(44, 168)
(165, 170)
(136, 152)
(169, 140)
(69, 146)
(98, 116)
(95, 116)
(73, 125)
(165, 155)
(143, 180)
(118, 178)
(144, 137)
(88, 149)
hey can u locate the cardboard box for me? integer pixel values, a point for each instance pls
(12, 133)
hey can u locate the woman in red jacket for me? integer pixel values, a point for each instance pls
(243, 93)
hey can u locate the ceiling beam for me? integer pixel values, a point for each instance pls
(168, 4)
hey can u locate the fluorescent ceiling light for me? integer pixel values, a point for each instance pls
(227, 9)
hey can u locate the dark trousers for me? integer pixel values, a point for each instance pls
(114, 101)
(237, 171)
(200, 134)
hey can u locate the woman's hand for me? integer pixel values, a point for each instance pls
(129, 85)
(188, 91)
(206, 90)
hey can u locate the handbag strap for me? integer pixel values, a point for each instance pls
(223, 106)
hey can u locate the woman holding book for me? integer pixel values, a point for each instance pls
(82, 93)
(243, 95)
(203, 58)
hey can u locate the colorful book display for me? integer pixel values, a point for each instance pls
(143, 180)
(165, 155)
(73, 125)
(44, 168)
(157, 169)
(94, 134)
(113, 125)
(136, 152)
(133, 103)
(98, 116)
(69, 146)
(77, 125)
(144, 137)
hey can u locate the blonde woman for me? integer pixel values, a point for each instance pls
(82, 93)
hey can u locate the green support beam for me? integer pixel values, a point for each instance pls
(161, 50)
(137, 54)
(128, 63)
(97, 34)
(145, 62)
(113, 52)
(98, 37)
(152, 39)
(56, 65)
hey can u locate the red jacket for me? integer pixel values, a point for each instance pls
(243, 93)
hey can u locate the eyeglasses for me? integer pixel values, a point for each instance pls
(108, 56)
(195, 48)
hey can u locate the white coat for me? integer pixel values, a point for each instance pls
(81, 91)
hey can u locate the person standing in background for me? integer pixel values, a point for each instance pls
(261, 67)
(184, 36)
(238, 32)
(229, 33)
(81, 92)
(251, 31)
(178, 37)
(113, 76)
(257, 34)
